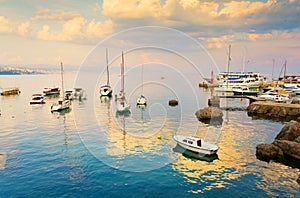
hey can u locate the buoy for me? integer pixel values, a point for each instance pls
(159, 137)
(241, 99)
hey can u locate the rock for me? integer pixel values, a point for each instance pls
(290, 131)
(209, 113)
(295, 101)
(291, 150)
(173, 102)
(298, 180)
(272, 110)
(267, 152)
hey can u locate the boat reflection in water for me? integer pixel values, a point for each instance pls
(105, 99)
(193, 155)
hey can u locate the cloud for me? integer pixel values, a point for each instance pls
(99, 29)
(195, 14)
(5, 25)
(59, 15)
(71, 29)
(22, 29)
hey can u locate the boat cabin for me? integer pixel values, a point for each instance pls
(196, 142)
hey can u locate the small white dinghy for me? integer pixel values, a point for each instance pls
(195, 144)
(37, 99)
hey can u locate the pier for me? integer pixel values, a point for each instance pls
(251, 98)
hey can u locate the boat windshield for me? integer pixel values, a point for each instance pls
(199, 143)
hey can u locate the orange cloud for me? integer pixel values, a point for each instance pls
(5, 25)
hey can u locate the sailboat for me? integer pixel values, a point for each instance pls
(106, 90)
(62, 104)
(142, 100)
(224, 87)
(122, 105)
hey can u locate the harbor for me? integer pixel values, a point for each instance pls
(149, 98)
(144, 142)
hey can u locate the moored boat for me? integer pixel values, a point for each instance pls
(10, 91)
(244, 91)
(37, 99)
(275, 97)
(142, 100)
(62, 103)
(106, 90)
(122, 105)
(49, 91)
(195, 144)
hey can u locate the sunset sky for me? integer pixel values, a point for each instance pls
(34, 32)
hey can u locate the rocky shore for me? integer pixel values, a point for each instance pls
(272, 110)
(285, 148)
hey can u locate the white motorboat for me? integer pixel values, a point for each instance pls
(142, 100)
(274, 97)
(62, 103)
(106, 90)
(195, 144)
(296, 91)
(69, 94)
(122, 105)
(244, 91)
(37, 99)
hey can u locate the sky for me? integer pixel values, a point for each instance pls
(263, 34)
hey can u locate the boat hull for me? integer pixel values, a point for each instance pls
(106, 91)
(141, 101)
(205, 148)
(61, 106)
(197, 150)
(247, 93)
(13, 91)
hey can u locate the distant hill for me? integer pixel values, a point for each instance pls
(8, 70)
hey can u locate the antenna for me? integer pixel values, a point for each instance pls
(228, 65)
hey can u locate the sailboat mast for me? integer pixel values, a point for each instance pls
(107, 71)
(122, 73)
(142, 79)
(62, 80)
(273, 69)
(228, 65)
(284, 72)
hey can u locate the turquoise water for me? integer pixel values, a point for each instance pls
(91, 151)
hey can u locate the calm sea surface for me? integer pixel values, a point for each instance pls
(92, 151)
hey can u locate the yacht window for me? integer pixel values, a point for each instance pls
(190, 142)
(184, 140)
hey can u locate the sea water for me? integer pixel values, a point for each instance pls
(93, 151)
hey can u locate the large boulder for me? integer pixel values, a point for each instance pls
(290, 149)
(209, 113)
(285, 148)
(290, 131)
(267, 152)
